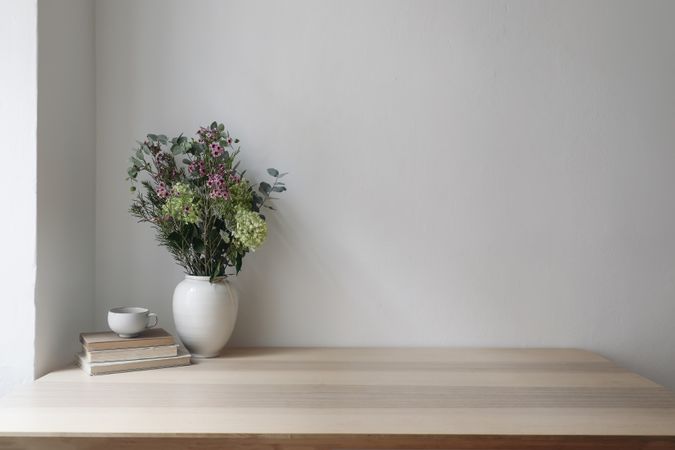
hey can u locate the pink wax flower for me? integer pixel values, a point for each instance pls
(216, 149)
(162, 191)
(219, 192)
(215, 181)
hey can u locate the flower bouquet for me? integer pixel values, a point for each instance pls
(204, 210)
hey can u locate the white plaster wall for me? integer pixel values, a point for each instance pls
(462, 173)
(18, 119)
(66, 180)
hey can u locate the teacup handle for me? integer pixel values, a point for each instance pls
(150, 316)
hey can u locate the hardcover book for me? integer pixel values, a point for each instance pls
(107, 340)
(128, 354)
(101, 368)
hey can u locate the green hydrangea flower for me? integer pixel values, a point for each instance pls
(241, 194)
(181, 204)
(250, 229)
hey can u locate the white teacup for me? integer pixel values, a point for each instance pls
(130, 321)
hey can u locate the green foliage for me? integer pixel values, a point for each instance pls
(202, 208)
(266, 190)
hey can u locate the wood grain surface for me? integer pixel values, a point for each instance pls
(285, 398)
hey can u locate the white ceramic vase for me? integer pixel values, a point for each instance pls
(204, 314)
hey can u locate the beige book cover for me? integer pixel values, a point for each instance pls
(128, 354)
(182, 359)
(107, 340)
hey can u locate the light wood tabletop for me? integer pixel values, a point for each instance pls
(272, 398)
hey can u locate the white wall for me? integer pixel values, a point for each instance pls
(18, 118)
(462, 173)
(65, 167)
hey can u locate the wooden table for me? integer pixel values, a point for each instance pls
(308, 398)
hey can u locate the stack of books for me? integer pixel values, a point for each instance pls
(106, 352)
